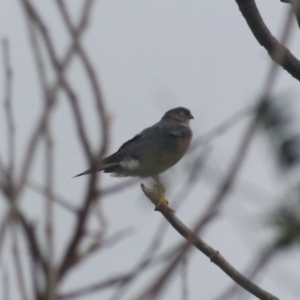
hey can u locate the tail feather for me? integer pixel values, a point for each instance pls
(101, 168)
(109, 164)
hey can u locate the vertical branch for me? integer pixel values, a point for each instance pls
(51, 278)
(70, 256)
(18, 265)
(33, 245)
(184, 279)
(40, 67)
(91, 75)
(3, 228)
(8, 109)
(34, 279)
(59, 67)
(34, 21)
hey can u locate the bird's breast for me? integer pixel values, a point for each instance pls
(177, 147)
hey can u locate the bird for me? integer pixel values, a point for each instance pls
(153, 150)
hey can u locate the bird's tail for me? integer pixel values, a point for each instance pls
(108, 163)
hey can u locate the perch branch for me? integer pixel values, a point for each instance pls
(211, 253)
(263, 35)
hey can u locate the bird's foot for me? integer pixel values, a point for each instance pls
(157, 196)
(163, 204)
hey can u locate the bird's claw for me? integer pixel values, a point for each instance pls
(160, 207)
(157, 196)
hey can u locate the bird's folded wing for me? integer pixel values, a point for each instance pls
(147, 135)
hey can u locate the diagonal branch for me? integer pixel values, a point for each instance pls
(211, 253)
(263, 35)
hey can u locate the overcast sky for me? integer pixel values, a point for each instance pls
(152, 56)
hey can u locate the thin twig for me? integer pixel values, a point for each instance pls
(90, 195)
(92, 78)
(49, 234)
(18, 265)
(31, 13)
(254, 267)
(49, 101)
(34, 248)
(8, 108)
(184, 279)
(3, 227)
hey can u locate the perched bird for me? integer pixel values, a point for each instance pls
(154, 150)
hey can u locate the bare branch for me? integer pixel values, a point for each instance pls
(33, 245)
(184, 279)
(8, 107)
(33, 15)
(263, 35)
(91, 75)
(42, 261)
(3, 227)
(90, 195)
(18, 265)
(211, 253)
(49, 226)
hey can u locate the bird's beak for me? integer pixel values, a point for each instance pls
(191, 117)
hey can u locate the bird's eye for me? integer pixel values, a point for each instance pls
(182, 113)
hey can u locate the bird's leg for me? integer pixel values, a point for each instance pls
(156, 178)
(159, 184)
(160, 189)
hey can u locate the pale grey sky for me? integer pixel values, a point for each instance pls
(152, 56)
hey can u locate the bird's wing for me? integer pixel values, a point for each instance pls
(147, 135)
(154, 138)
(160, 129)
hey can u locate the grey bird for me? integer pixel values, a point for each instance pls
(154, 150)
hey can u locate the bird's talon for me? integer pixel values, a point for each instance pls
(163, 204)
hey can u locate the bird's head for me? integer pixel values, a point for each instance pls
(178, 114)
